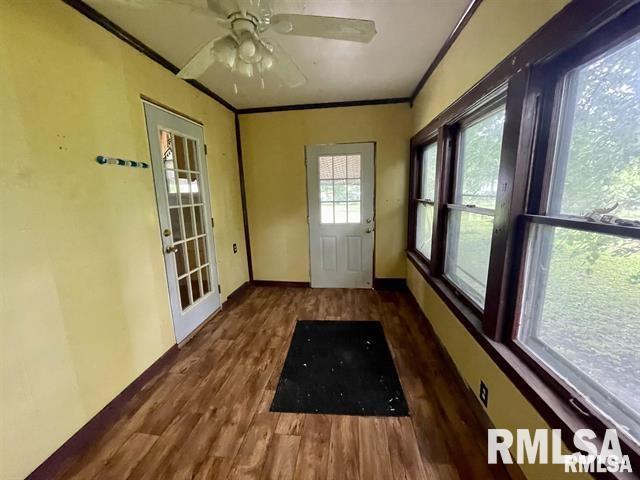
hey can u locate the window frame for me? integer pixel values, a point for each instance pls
(529, 79)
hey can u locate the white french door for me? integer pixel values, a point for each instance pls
(182, 195)
(340, 189)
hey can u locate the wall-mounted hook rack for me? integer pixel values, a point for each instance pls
(102, 160)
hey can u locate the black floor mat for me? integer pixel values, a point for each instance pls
(342, 368)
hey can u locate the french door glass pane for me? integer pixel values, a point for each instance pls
(189, 230)
(183, 287)
(429, 155)
(340, 212)
(581, 315)
(353, 212)
(180, 153)
(479, 161)
(193, 156)
(192, 254)
(202, 250)
(176, 229)
(597, 164)
(468, 249)
(326, 212)
(206, 286)
(424, 229)
(195, 286)
(181, 263)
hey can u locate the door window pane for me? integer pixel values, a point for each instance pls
(193, 155)
(206, 285)
(353, 189)
(597, 154)
(195, 286)
(189, 230)
(340, 166)
(176, 229)
(198, 212)
(181, 158)
(326, 212)
(353, 166)
(172, 187)
(195, 188)
(424, 229)
(192, 254)
(325, 165)
(166, 149)
(468, 248)
(202, 250)
(326, 190)
(581, 315)
(479, 160)
(340, 190)
(353, 212)
(183, 287)
(181, 263)
(340, 212)
(428, 185)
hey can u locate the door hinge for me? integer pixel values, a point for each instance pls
(205, 148)
(308, 221)
(219, 289)
(212, 223)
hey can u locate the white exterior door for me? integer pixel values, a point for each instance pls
(182, 193)
(340, 188)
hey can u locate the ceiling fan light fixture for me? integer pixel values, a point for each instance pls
(226, 52)
(245, 69)
(247, 49)
(266, 63)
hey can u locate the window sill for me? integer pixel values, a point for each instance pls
(553, 408)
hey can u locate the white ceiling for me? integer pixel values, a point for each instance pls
(410, 33)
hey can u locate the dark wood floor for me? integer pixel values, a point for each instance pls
(207, 415)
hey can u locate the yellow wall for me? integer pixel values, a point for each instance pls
(84, 306)
(496, 29)
(273, 155)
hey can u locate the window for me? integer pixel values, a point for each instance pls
(340, 189)
(580, 313)
(425, 200)
(470, 216)
(533, 236)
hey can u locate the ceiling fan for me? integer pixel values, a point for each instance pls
(245, 49)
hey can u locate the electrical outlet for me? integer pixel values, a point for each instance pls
(484, 394)
(235, 248)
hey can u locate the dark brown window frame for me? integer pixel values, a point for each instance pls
(580, 31)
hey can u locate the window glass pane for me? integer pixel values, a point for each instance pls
(581, 315)
(166, 149)
(192, 254)
(468, 248)
(340, 190)
(597, 163)
(181, 159)
(424, 229)
(353, 166)
(340, 166)
(326, 190)
(325, 165)
(353, 212)
(175, 224)
(181, 265)
(193, 155)
(183, 286)
(202, 249)
(427, 188)
(195, 188)
(353, 189)
(195, 286)
(479, 161)
(340, 209)
(206, 287)
(172, 188)
(189, 229)
(183, 186)
(326, 212)
(198, 211)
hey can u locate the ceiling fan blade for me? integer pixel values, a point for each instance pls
(201, 61)
(285, 68)
(350, 29)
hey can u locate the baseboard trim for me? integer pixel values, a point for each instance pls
(238, 294)
(278, 283)
(100, 422)
(394, 284)
(478, 410)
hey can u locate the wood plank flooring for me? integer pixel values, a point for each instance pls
(207, 416)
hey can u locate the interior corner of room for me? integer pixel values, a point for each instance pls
(150, 223)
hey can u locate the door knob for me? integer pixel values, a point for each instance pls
(369, 220)
(171, 249)
(369, 230)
